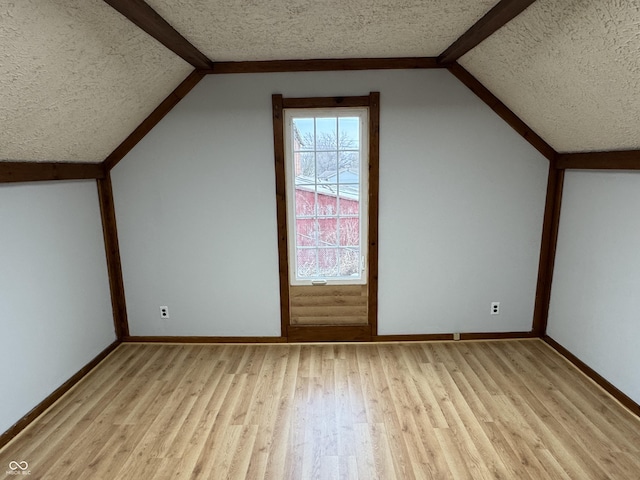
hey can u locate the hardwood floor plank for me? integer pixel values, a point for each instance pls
(479, 452)
(108, 461)
(357, 402)
(590, 446)
(181, 440)
(240, 460)
(347, 468)
(511, 457)
(431, 373)
(450, 451)
(441, 410)
(574, 410)
(528, 438)
(191, 452)
(44, 434)
(277, 439)
(518, 411)
(612, 419)
(55, 446)
(407, 404)
(365, 457)
(329, 469)
(427, 403)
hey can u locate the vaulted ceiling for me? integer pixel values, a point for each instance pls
(235, 30)
(76, 78)
(571, 70)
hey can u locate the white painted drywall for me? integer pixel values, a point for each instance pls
(461, 208)
(461, 205)
(595, 300)
(55, 308)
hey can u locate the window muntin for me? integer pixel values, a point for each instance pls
(326, 170)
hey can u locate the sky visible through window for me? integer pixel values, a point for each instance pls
(327, 150)
(349, 125)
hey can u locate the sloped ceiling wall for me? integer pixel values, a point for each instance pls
(75, 79)
(571, 70)
(232, 30)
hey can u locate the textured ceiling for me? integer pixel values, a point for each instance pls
(229, 30)
(76, 78)
(571, 70)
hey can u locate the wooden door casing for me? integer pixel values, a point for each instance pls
(316, 313)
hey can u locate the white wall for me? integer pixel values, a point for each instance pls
(461, 209)
(461, 204)
(595, 299)
(55, 309)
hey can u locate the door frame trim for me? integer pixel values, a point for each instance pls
(344, 333)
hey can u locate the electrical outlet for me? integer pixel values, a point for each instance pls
(456, 336)
(164, 312)
(495, 308)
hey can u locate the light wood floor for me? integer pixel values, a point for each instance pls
(468, 410)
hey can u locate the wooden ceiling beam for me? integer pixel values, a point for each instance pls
(152, 120)
(146, 18)
(501, 14)
(503, 111)
(323, 65)
(11, 172)
(611, 160)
